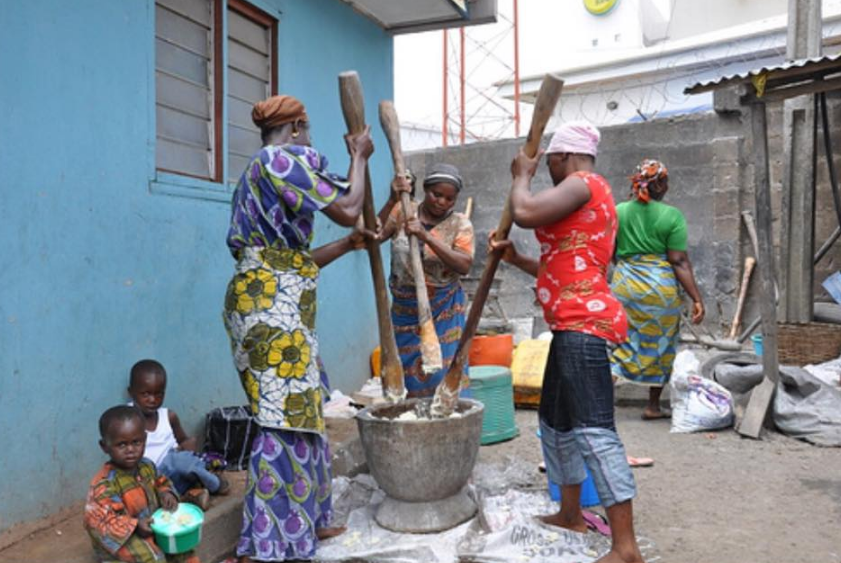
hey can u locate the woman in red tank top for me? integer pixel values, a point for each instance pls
(575, 224)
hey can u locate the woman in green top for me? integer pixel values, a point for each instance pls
(651, 260)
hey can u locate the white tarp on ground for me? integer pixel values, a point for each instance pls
(504, 530)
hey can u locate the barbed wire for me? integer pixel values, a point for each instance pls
(488, 115)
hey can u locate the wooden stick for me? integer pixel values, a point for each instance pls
(750, 262)
(446, 395)
(750, 225)
(353, 108)
(429, 345)
(468, 208)
(761, 395)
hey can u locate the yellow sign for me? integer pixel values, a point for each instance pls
(600, 7)
(759, 82)
(461, 6)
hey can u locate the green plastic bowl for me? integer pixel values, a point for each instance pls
(174, 538)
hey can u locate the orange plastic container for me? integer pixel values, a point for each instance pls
(491, 350)
(376, 362)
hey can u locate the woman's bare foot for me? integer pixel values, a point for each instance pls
(655, 414)
(327, 533)
(616, 557)
(561, 521)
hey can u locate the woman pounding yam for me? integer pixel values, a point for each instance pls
(445, 238)
(575, 224)
(270, 309)
(651, 260)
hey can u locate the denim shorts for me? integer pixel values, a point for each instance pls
(187, 470)
(576, 419)
(577, 383)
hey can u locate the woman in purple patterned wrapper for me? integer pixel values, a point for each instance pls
(270, 308)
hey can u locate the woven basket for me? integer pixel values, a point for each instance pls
(810, 343)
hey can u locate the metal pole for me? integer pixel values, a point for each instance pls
(444, 133)
(461, 86)
(516, 71)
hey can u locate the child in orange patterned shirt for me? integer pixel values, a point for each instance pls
(125, 493)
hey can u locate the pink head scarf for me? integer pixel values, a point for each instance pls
(575, 137)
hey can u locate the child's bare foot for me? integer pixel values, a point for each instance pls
(224, 486)
(616, 557)
(327, 533)
(561, 521)
(199, 497)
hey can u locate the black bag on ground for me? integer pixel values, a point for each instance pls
(229, 432)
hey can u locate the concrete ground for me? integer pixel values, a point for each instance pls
(717, 496)
(64, 540)
(708, 497)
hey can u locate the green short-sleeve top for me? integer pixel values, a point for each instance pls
(649, 228)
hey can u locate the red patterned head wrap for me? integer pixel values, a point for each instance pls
(648, 175)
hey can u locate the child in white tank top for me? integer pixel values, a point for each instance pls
(168, 446)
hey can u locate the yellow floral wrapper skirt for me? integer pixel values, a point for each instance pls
(647, 287)
(270, 308)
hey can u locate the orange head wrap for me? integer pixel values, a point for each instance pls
(278, 110)
(645, 183)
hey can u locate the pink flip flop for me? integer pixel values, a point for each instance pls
(597, 523)
(640, 461)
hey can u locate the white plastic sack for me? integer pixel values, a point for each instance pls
(686, 363)
(697, 404)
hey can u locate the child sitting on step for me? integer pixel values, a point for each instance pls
(125, 493)
(167, 444)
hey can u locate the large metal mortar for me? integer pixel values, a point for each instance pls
(422, 465)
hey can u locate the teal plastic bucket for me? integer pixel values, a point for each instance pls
(756, 339)
(492, 386)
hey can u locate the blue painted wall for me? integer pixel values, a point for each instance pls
(96, 271)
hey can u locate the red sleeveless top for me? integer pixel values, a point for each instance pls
(572, 281)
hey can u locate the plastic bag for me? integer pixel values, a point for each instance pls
(686, 363)
(807, 408)
(697, 403)
(229, 432)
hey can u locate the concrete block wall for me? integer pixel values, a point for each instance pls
(710, 162)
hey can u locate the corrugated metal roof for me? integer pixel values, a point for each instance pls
(789, 68)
